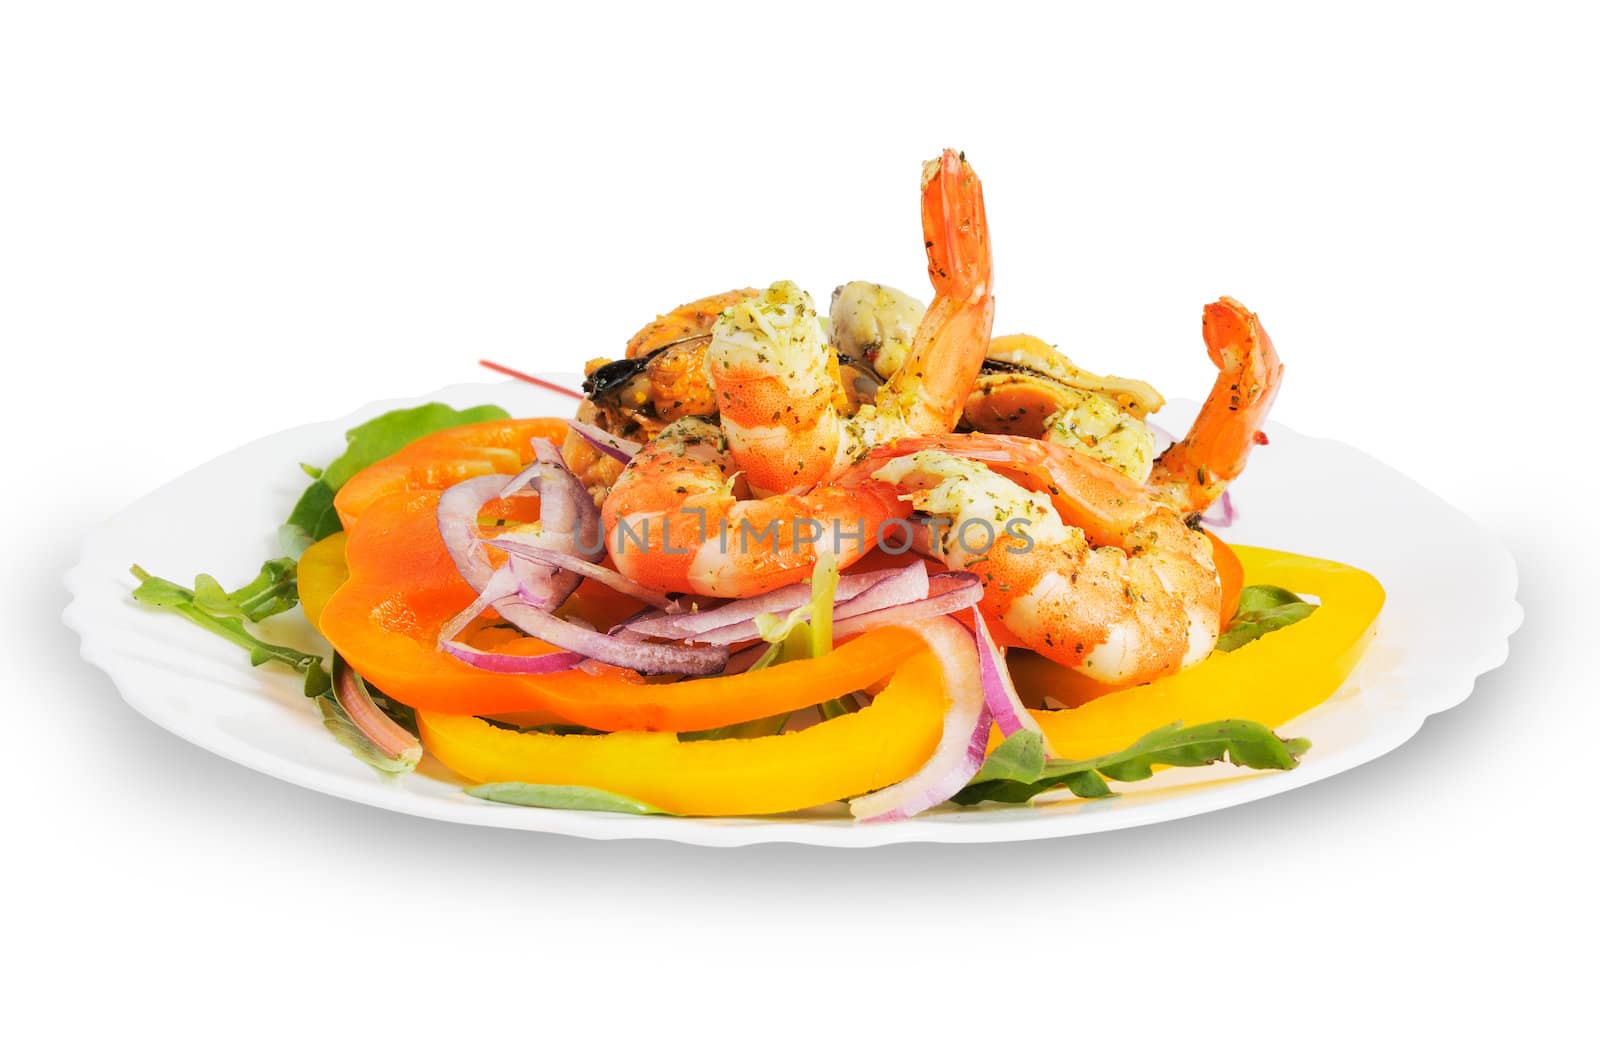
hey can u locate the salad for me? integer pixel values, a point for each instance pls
(778, 559)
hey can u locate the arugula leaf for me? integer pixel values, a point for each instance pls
(164, 594)
(1020, 758)
(210, 607)
(581, 798)
(273, 591)
(1014, 779)
(1263, 609)
(313, 517)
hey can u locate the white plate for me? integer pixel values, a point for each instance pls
(1450, 610)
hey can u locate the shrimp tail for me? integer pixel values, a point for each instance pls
(1193, 472)
(931, 387)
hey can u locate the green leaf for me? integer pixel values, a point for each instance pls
(318, 681)
(1087, 785)
(314, 518)
(581, 798)
(164, 594)
(209, 607)
(1243, 742)
(273, 591)
(1020, 758)
(1263, 609)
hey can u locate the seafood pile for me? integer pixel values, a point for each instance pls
(915, 425)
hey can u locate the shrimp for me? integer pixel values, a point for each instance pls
(777, 382)
(676, 521)
(1092, 423)
(1080, 563)
(1193, 472)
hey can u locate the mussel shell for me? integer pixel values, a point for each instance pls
(861, 382)
(1007, 400)
(613, 375)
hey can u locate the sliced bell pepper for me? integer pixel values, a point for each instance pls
(1270, 681)
(321, 571)
(402, 588)
(883, 743)
(434, 462)
(1230, 570)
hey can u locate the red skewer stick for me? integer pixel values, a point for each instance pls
(528, 378)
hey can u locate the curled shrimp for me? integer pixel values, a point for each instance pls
(930, 389)
(1083, 565)
(776, 380)
(677, 520)
(1193, 472)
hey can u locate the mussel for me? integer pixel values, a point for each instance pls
(1028, 388)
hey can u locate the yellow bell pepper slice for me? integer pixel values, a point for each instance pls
(849, 755)
(321, 572)
(1270, 681)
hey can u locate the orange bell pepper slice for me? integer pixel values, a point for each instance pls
(402, 587)
(1230, 570)
(447, 457)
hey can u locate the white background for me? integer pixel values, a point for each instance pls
(220, 220)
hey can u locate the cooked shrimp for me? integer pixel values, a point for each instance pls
(775, 386)
(1081, 564)
(1194, 471)
(776, 381)
(676, 521)
(1092, 423)
(928, 390)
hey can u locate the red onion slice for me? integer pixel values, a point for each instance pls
(569, 523)
(999, 692)
(648, 658)
(579, 642)
(392, 740)
(948, 592)
(513, 663)
(901, 586)
(961, 747)
(1222, 513)
(599, 573)
(606, 443)
(501, 586)
(458, 526)
(680, 625)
